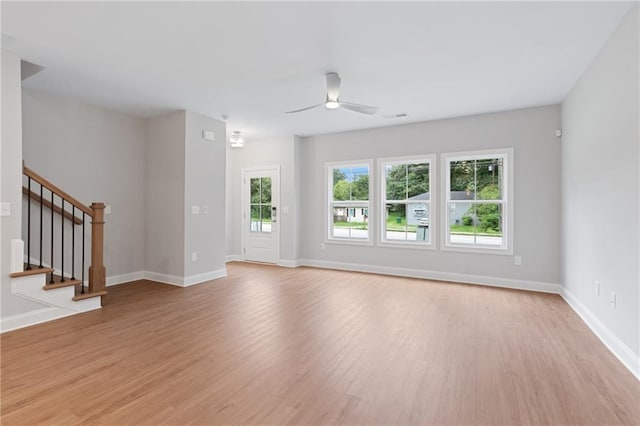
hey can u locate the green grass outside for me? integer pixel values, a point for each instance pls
(470, 230)
(352, 225)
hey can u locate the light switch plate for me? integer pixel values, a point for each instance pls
(208, 135)
(5, 209)
(195, 209)
(285, 209)
(107, 209)
(205, 210)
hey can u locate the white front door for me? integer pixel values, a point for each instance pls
(261, 214)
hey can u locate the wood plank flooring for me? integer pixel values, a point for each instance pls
(270, 345)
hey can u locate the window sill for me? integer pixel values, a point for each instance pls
(349, 242)
(388, 244)
(478, 249)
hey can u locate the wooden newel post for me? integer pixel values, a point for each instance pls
(97, 271)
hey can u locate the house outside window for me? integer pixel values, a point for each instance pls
(406, 189)
(348, 195)
(478, 199)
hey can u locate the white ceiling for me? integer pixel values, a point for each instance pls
(253, 61)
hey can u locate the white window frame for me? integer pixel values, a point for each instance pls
(507, 230)
(382, 163)
(329, 203)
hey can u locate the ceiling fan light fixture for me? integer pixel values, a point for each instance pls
(332, 104)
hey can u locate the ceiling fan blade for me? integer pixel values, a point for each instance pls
(304, 109)
(364, 109)
(333, 86)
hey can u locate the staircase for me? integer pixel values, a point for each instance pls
(53, 269)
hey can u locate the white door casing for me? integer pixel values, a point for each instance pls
(261, 214)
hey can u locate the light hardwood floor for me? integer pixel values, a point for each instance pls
(269, 345)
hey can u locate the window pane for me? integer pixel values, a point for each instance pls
(255, 190)
(266, 217)
(341, 185)
(418, 181)
(396, 224)
(350, 222)
(407, 222)
(476, 224)
(266, 190)
(396, 181)
(489, 179)
(255, 222)
(489, 224)
(462, 180)
(360, 184)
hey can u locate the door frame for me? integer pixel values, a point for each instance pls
(245, 218)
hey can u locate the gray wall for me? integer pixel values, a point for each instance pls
(600, 184)
(165, 194)
(537, 191)
(204, 184)
(94, 154)
(10, 187)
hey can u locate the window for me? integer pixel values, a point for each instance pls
(349, 194)
(406, 189)
(260, 204)
(478, 207)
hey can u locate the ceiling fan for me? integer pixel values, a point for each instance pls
(333, 101)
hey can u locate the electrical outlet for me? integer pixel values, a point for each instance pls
(597, 288)
(285, 209)
(323, 246)
(517, 260)
(194, 256)
(613, 299)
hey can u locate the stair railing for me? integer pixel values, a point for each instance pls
(97, 271)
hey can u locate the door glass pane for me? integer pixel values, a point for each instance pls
(266, 190)
(266, 218)
(255, 222)
(255, 190)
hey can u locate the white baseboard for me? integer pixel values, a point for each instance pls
(185, 281)
(164, 278)
(202, 278)
(14, 322)
(125, 278)
(623, 352)
(289, 263)
(436, 275)
(233, 258)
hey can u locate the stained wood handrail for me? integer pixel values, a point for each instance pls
(59, 192)
(47, 203)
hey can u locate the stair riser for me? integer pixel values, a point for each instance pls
(31, 287)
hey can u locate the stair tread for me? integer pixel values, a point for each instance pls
(68, 282)
(35, 270)
(87, 295)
